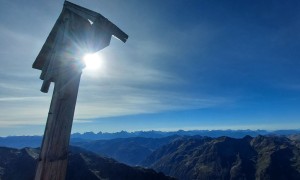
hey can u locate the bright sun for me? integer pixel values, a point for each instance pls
(92, 61)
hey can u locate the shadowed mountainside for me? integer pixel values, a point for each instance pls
(227, 158)
(21, 164)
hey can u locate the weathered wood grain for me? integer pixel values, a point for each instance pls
(54, 154)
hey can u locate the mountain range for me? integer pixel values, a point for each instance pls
(180, 156)
(159, 134)
(35, 141)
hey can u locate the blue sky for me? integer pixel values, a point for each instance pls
(187, 65)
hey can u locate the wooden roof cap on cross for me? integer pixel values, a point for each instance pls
(100, 31)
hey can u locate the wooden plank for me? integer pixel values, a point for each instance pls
(54, 153)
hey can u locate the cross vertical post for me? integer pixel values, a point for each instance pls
(54, 151)
(60, 62)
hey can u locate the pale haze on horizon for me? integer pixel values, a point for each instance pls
(186, 65)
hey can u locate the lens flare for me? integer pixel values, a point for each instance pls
(92, 61)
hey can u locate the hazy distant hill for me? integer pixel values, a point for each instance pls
(35, 141)
(20, 165)
(160, 134)
(127, 150)
(20, 141)
(261, 157)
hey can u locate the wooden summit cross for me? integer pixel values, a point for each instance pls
(77, 31)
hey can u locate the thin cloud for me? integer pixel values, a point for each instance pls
(6, 99)
(128, 101)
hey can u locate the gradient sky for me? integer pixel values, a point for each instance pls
(196, 64)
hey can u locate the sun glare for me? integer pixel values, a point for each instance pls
(92, 61)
